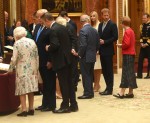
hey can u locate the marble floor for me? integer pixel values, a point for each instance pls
(100, 109)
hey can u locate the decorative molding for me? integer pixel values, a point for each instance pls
(74, 14)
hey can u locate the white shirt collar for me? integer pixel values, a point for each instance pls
(85, 24)
(52, 24)
(68, 19)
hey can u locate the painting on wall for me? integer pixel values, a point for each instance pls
(55, 6)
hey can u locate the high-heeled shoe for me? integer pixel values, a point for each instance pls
(30, 112)
(96, 89)
(58, 96)
(22, 114)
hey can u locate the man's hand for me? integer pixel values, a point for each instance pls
(46, 47)
(49, 65)
(74, 52)
(1, 59)
(10, 38)
(101, 41)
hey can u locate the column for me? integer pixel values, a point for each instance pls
(2, 20)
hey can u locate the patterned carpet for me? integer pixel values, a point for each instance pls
(141, 101)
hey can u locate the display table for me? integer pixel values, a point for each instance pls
(8, 101)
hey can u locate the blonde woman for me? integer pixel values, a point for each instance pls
(97, 67)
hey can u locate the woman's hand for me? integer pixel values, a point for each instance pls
(119, 45)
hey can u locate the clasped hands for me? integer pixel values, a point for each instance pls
(144, 45)
(101, 41)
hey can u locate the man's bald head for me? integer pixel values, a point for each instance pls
(84, 18)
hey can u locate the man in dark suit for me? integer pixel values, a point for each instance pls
(108, 34)
(6, 31)
(61, 62)
(73, 26)
(1, 50)
(48, 76)
(32, 25)
(88, 46)
(64, 14)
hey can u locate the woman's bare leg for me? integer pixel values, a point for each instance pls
(23, 102)
(31, 100)
(97, 75)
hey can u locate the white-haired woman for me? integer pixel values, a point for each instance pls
(25, 61)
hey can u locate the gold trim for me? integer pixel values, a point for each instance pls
(69, 14)
(39, 4)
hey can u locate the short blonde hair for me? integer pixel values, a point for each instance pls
(20, 32)
(61, 21)
(126, 21)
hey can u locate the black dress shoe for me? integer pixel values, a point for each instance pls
(62, 110)
(119, 96)
(74, 108)
(30, 112)
(129, 96)
(85, 97)
(147, 77)
(22, 114)
(39, 108)
(37, 93)
(47, 109)
(106, 93)
(138, 77)
(75, 89)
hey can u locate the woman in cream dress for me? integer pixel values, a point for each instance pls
(25, 61)
(97, 67)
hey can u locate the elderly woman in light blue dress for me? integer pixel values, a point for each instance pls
(25, 62)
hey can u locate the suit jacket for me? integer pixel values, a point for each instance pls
(72, 36)
(109, 35)
(6, 34)
(88, 43)
(74, 25)
(60, 46)
(43, 40)
(128, 42)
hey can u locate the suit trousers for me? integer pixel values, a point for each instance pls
(144, 53)
(66, 86)
(49, 87)
(87, 70)
(75, 72)
(107, 69)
